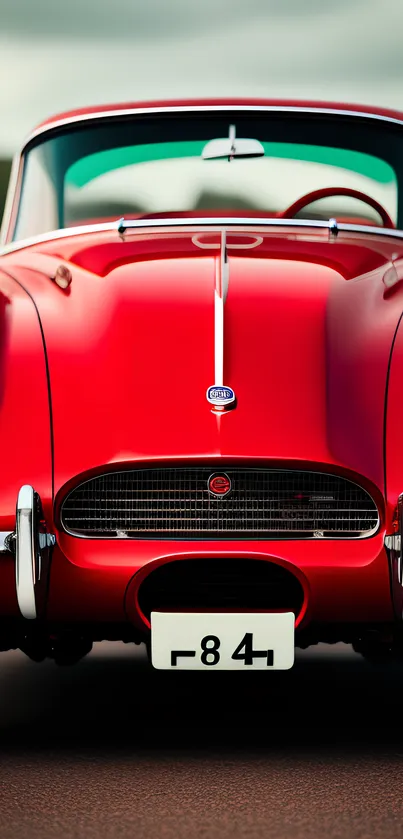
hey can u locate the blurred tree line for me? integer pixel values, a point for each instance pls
(4, 176)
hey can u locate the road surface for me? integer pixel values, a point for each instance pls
(113, 748)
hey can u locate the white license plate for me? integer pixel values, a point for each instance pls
(222, 641)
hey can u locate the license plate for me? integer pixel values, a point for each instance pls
(222, 641)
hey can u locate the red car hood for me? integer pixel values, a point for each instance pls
(131, 355)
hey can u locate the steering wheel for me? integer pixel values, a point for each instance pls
(297, 206)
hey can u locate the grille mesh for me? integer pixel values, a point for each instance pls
(176, 502)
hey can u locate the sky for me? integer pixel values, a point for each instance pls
(59, 54)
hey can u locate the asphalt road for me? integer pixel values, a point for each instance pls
(113, 748)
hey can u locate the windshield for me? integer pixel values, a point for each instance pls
(222, 163)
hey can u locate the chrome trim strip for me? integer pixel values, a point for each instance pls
(54, 235)
(220, 294)
(124, 535)
(25, 553)
(230, 221)
(178, 109)
(200, 225)
(221, 266)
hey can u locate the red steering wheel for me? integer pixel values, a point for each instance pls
(299, 205)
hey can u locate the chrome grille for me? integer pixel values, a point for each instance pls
(176, 503)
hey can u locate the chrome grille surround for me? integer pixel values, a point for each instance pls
(175, 503)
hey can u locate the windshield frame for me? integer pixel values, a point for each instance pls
(87, 120)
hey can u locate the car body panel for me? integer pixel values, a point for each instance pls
(146, 326)
(112, 373)
(347, 582)
(25, 426)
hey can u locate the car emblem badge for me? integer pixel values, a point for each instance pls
(219, 484)
(220, 395)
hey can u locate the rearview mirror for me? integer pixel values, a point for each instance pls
(231, 147)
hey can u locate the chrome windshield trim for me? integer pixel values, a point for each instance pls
(196, 225)
(199, 225)
(61, 233)
(174, 109)
(180, 109)
(230, 221)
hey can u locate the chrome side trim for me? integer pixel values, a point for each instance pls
(178, 109)
(200, 225)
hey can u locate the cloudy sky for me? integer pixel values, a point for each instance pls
(58, 54)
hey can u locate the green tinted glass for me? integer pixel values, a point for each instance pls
(92, 166)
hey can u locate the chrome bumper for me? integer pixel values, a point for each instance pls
(394, 549)
(32, 546)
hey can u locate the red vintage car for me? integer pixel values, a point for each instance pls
(201, 383)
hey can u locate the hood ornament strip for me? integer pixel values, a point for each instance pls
(219, 394)
(221, 267)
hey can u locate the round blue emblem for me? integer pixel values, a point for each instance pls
(220, 395)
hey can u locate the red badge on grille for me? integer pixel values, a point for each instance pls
(219, 484)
